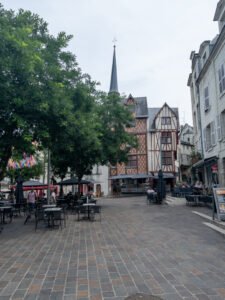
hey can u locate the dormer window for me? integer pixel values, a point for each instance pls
(206, 97)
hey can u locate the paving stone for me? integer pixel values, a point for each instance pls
(159, 250)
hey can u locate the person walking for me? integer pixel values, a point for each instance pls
(53, 197)
(31, 199)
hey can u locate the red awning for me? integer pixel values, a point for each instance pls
(38, 187)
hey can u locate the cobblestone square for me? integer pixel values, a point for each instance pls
(158, 250)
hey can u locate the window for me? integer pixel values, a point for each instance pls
(221, 79)
(209, 136)
(166, 137)
(132, 161)
(166, 158)
(166, 121)
(206, 97)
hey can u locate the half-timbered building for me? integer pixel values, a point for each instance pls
(131, 177)
(162, 142)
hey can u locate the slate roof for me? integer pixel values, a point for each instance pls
(141, 109)
(113, 83)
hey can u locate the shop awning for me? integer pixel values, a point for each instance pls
(198, 164)
(131, 176)
(205, 162)
(35, 185)
(165, 175)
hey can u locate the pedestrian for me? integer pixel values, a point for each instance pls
(31, 199)
(53, 197)
(150, 193)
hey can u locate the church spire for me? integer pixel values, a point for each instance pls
(113, 83)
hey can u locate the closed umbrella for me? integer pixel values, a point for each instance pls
(19, 190)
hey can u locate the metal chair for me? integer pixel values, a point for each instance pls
(82, 210)
(96, 210)
(40, 217)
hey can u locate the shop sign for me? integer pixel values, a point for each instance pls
(219, 198)
(214, 168)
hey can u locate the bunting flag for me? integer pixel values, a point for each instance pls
(26, 162)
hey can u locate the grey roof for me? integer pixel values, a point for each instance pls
(153, 111)
(141, 107)
(113, 83)
(218, 11)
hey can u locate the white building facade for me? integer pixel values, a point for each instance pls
(207, 86)
(185, 150)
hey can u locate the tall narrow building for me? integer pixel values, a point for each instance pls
(131, 177)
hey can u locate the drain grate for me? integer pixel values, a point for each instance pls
(142, 297)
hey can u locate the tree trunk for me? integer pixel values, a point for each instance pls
(4, 161)
(79, 186)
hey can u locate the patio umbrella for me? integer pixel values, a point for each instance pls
(73, 181)
(19, 190)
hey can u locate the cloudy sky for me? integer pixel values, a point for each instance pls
(154, 42)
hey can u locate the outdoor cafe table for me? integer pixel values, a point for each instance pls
(5, 203)
(193, 199)
(48, 206)
(50, 214)
(3, 210)
(88, 205)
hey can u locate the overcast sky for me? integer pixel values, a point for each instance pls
(154, 42)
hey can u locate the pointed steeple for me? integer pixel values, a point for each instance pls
(113, 83)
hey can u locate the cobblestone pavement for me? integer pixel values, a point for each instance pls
(137, 248)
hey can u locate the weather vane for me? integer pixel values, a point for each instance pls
(114, 41)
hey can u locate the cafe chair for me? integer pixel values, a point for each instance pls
(96, 210)
(40, 217)
(82, 210)
(57, 219)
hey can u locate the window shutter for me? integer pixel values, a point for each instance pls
(222, 124)
(220, 81)
(213, 133)
(204, 137)
(206, 94)
(219, 133)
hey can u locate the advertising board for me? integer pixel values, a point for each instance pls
(219, 198)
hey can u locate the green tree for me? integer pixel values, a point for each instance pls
(115, 119)
(96, 133)
(36, 80)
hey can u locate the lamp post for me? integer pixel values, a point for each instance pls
(48, 177)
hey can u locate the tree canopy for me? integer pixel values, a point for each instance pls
(46, 101)
(36, 76)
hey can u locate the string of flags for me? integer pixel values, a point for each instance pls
(27, 161)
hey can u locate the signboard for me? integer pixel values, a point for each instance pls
(214, 168)
(219, 198)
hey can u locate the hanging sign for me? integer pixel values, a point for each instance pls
(214, 168)
(219, 198)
